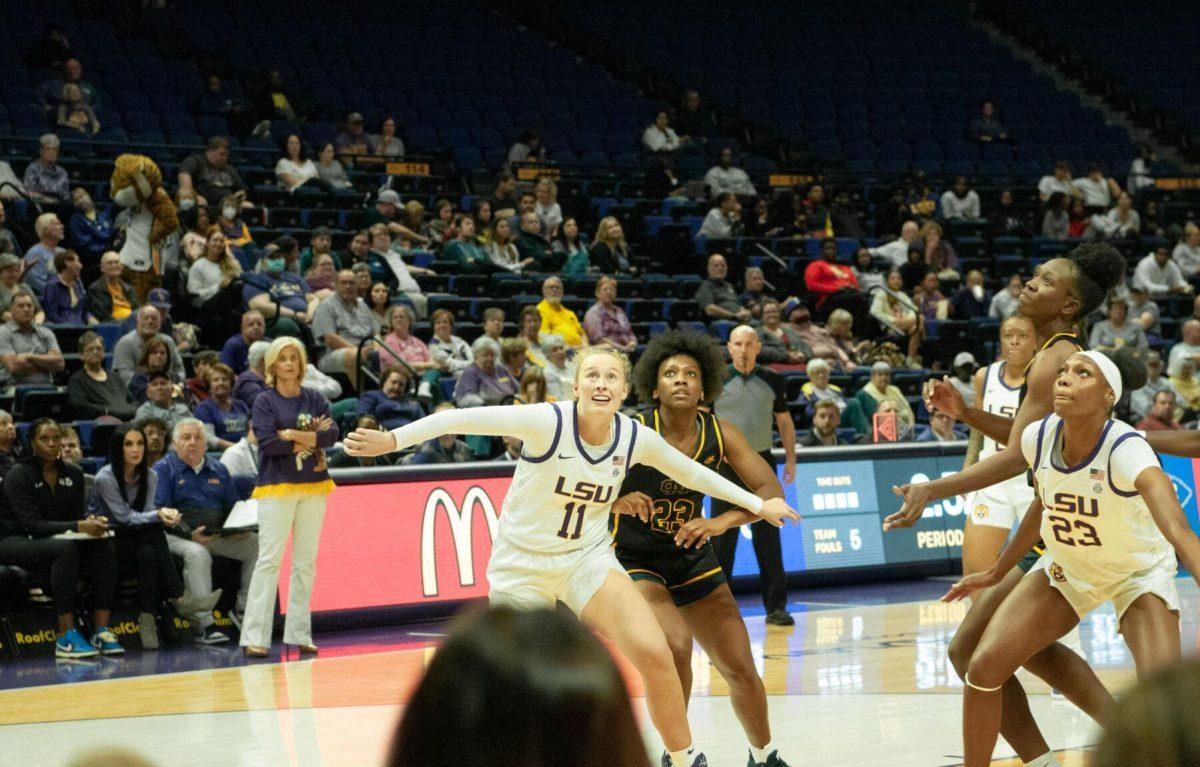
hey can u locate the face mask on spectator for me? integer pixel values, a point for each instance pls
(977, 291)
(229, 212)
(187, 203)
(275, 265)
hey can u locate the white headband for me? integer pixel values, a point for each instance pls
(1107, 368)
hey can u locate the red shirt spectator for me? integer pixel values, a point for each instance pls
(827, 276)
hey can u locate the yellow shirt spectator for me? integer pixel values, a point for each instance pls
(558, 319)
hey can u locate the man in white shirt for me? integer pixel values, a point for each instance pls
(1187, 253)
(960, 201)
(896, 251)
(1059, 182)
(723, 217)
(1188, 348)
(1158, 275)
(1096, 190)
(723, 177)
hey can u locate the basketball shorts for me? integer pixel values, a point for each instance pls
(689, 575)
(1158, 580)
(529, 580)
(1003, 505)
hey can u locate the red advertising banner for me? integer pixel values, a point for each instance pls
(404, 543)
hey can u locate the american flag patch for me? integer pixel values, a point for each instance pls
(1096, 474)
(618, 460)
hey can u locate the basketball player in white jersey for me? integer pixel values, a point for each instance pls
(1112, 527)
(553, 541)
(993, 512)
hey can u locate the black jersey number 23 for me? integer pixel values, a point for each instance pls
(669, 516)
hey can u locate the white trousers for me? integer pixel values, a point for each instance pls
(197, 566)
(300, 516)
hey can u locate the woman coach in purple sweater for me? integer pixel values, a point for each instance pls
(293, 426)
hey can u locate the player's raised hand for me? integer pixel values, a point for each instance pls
(941, 395)
(368, 443)
(969, 584)
(635, 505)
(776, 511)
(916, 498)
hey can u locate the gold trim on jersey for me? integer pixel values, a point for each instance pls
(649, 572)
(702, 432)
(1072, 336)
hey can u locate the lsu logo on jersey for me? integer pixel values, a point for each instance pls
(584, 491)
(1056, 572)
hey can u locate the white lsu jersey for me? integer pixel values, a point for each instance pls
(998, 398)
(560, 501)
(1097, 530)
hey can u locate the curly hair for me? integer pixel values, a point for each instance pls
(702, 348)
(1098, 269)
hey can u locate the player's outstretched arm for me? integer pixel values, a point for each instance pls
(1156, 489)
(1005, 464)
(941, 395)
(1026, 537)
(1184, 443)
(535, 425)
(657, 452)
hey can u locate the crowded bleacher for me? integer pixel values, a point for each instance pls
(448, 229)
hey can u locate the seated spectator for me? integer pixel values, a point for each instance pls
(1008, 219)
(353, 144)
(280, 296)
(45, 180)
(1079, 223)
(825, 420)
(781, 344)
(904, 430)
(46, 496)
(378, 300)
(29, 351)
(442, 228)
(74, 114)
(972, 299)
(939, 253)
(451, 355)
(237, 234)
(275, 100)
(155, 357)
(609, 254)
(753, 296)
(484, 382)
(1120, 222)
(985, 127)
(330, 169)
(111, 298)
(8, 437)
(1059, 181)
(160, 402)
(557, 318)
(941, 428)
(605, 321)
(8, 240)
(226, 420)
(342, 323)
(209, 176)
(295, 169)
(387, 265)
(408, 348)
(897, 312)
(570, 249)
(559, 373)
(50, 93)
(866, 272)
(761, 223)
(196, 387)
(91, 230)
(528, 148)
(413, 230)
(895, 253)
(532, 389)
(1005, 303)
(1186, 386)
(723, 219)
(124, 497)
(928, 296)
(963, 368)
(694, 121)
(1056, 223)
(254, 328)
(1143, 312)
(879, 389)
(129, 346)
(1117, 332)
(211, 274)
(321, 242)
(1096, 191)
(716, 297)
(1158, 275)
(512, 357)
(662, 180)
(321, 277)
(531, 326)
(250, 382)
(64, 300)
(1186, 254)
(849, 351)
(465, 250)
(340, 459)
(825, 277)
(723, 177)
(533, 248)
(548, 211)
(195, 222)
(390, 403)
(92, 391)
(493, 323)
(1187, 348)
(659, 136)
(216, 101)
(1162, 414)
(960, 202)
(447, 448)
(503, 202)
(818, 388)
(812, 215)
(39, 259)
(386, 143)
(203, 492)
(502, 250)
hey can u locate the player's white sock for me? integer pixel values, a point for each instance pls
(683, 758)
(760, 754)
(1045, 760)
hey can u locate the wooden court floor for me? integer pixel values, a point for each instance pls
(849, 685)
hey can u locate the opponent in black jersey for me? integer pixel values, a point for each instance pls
(1060, 294)
(662, 536)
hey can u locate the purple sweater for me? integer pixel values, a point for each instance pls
(282, 471)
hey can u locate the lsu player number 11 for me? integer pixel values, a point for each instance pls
(553, 540)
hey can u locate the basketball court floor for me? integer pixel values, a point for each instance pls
(861, 679)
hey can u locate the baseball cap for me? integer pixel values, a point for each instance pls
(354, 117)
(7, 260)
(964, 358)
(389, 196)
(160, 299)
(791, 305)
